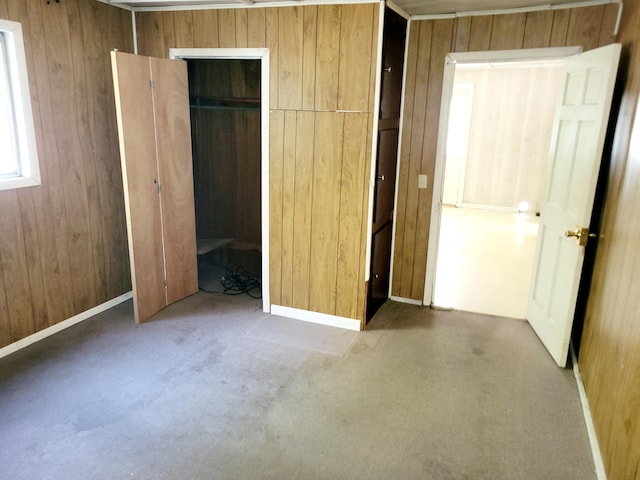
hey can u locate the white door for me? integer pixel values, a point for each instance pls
(576, 149)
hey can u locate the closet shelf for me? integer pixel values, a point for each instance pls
(231, 103)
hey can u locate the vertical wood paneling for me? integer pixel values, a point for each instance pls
(322, 59)
(72, 252)
(276, 157)
(183, 24)
(422, 108)
(305, 147)
(256, 27)
(584, 26)
(355, 61)
(290, 43)
(508, 31)
(288, 205)
(151, 26)
(537, 30)
(327, 167)
(227, 28)
(327, 57)
(309, 58)
(350, 223)
(441, 39)
(205, 29)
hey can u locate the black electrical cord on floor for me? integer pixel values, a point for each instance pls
(238, 282)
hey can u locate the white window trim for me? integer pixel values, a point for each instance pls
(19, 85)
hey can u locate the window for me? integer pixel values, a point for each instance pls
(18, 155)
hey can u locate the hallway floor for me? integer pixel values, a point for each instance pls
(485, 261)
(213, 388)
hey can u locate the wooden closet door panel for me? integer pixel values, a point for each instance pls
(134, 110)
(173, 134)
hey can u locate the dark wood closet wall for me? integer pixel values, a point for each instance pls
(225, 120)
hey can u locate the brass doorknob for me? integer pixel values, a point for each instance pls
(581, 233)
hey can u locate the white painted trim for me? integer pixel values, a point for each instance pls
(47, 332)
(508, 11)
(261, 54)
(451, 60)
(374, 145)
(588, 420)
(134, 32)
(410, 301)
(400, 127)
(315, 317)
(27, 148)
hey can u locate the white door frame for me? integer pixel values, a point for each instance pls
(261, 54)
(451, 59)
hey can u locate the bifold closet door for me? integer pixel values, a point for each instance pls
(152, 106)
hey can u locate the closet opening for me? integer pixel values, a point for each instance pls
(226, 135)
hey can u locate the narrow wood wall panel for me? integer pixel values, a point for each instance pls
(288, 205)
(351, 213)
(326, 200)
(303, 209)
(205, 29)
(309, 58)
(13, 260)
(64, 102)
(421, 114)
(290, 43)
(507, 31)
(151, 26)
(402, 181)
(537, 30)
(241, 28)
(227, 28)
(183, 24)
(256, 27)
(414, 163)
(71, 257)
(609, 20)
(584, 26)
(441, 39)
(356, 32)
(276, 157)
(327, 57)
(272, 38)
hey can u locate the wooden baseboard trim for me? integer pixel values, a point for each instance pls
(47, 332)
(588, 419)
(410, 301)
(315, 317)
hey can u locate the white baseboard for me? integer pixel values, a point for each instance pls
(15, 346)
(315, 317)
(410, 301)
(588, 419)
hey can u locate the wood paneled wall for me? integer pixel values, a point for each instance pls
(429, 42)
(322, 79)
(610, 348)
(63, 246)
(510, 134)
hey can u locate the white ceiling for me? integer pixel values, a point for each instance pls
(410, 7)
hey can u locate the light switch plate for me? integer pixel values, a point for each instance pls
(422, 181)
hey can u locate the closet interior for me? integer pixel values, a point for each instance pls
(224, 97)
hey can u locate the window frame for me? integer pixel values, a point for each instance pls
(16, 65)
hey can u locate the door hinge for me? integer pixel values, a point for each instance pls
(151, 84)
(159, 188)
(166, 285)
